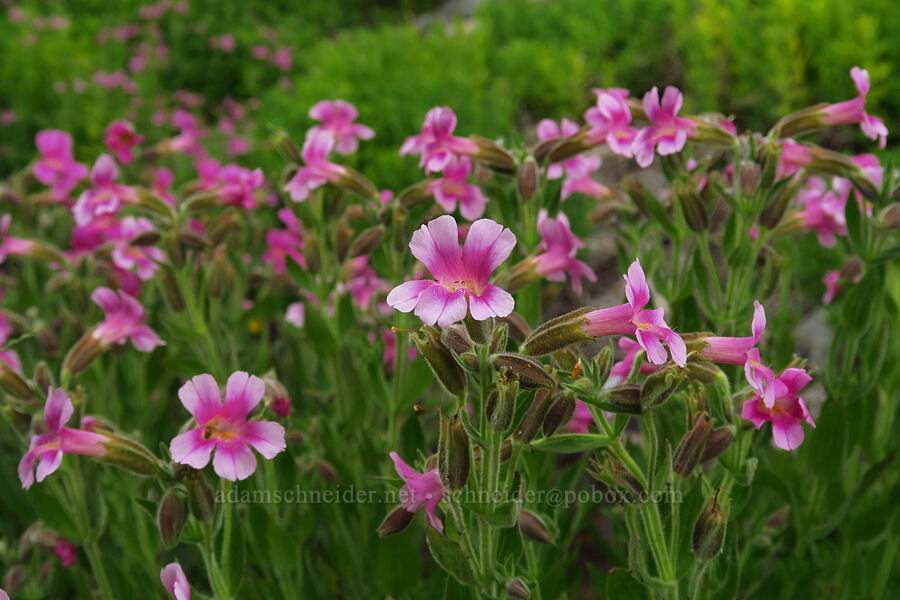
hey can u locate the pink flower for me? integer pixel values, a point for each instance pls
(630, 319)
(141, 259)
(227, 43)
(4, 595)
(237, 146)
(12, 246)
(106, 197)
(208, 171)
(557, 251)
(125, 319)
(854, 111)
(121, 138)
(66, 552)
(579, 180)
(622, 369)
(421, 489)
(296, 314)
(610, 121)
(224, 427)
(57, 167)
(281, 58)
(363, 282)
(547, 129)
(318, 170)
(733, 350)
(582, 418)
(259, 52)
(668, 133)
(337, 118)
(50, 447)
(823, 211)
(284, 243)
(437, 144)
(452, 187)
(173, 579)
(760, 377)
(162, 183)
(787, 411)
(7, 116)
(463, 274)
(832, 285)
(238, 185)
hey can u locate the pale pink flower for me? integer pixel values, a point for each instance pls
(57, 167)
(854, 111)
(578, 178)
(125, 319)
(631, 318)
(786, 413)
(173, 579)
(453, 187)
(143, 260)
(556, 253)
(668, 133)
(106, 197)
(281, 58)
(823, 211)
(227, 43)
(548, 129)
(50, 447)
(9, 245)
(318, 170)
(224, 426)
(296, 314)
(436, 143)
(610, 121)
(162, 184)
(733, 350)
(238, 185)
(421, 489)
(337, 117)
(462, 274)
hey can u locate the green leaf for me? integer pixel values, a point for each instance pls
(854, 226)
(344, 316)
(231, 558)
(509, 545)
(570, 443)
(660, 216)
(860, 305)
(319, 331)
(621, 584)
(825, 445)
(449, 556)
(502, 515)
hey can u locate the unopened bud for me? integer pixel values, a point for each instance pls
(692, 206)
(287, 148)
(660, 385)
(366, 241)
(223, 224)
(192, 240)
(43, 379)
(503, 408)
(499, 338)
(702, 371)
(343, 239)
(625, 398)
(415, 195)
(530, 372)
(534, 416)
(771, 160)
(174, 249)
(617, 477)
(891, 216)
(83, 353)
(567, 147)
(559, 414)
(13, 383)
(773, 213)
(311, 252)
(557, 333)
(534, 528)
(152, 202)
(440, 359)
(170, 519)
(516, 588)
(718, 442)
(130, 455)
(453, 453)
(146, 238)
(750, 176)
(221, 274)
(527, 179)
(479, 331)
(357, 183)
(709, 531)
(201, 497)
(493, 156)
(396, 521)
(19, 421)
(171, 291)
(690, 450)
(456, 338)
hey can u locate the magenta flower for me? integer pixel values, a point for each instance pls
(631, 319)
(208, 172)
(452, 187)
(462, 274)
(7, 357)
(57, 167)
(437, 144)
(832, 285)
(238, 185)
(318, 169)
(557, 250)
(284, 243)
(50, 447)
(622, 369)
(125, 319)
(421, 489)
(337, 118)
(786, 412)
(610, 121)
(12, 246)
(107, 197)
(548, 129)
(162, 184)
(823, 211)
(224, 427)
(582, 418)
(121, 138)
(854, 111)
(668, 133)
(173, 579)
(144, 260)
(66, 552)
(363, 283)
(578, 178)
(760, 377)
(733, 350)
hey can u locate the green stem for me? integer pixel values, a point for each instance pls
(99, 570)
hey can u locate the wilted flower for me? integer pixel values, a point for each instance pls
(668, 133)
(50, 447)
(318, 169)
(57, 167)
(125, 319)
(463, 274)
(106, 197)
(437, 144)
(172, 577)
(421, 489)
(557, 250)
(787, 411)
(453, 186)
(610, 121)
(337, 118)
(224, 427)
(121, 138)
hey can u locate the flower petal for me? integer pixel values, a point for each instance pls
(440, 305)
(234, 460)
(189, 448)
(266, 436)
(493, 302)
(58, 409)
(487, 245)
(436, 245)
(201, 397)
(242, 393)
(405, 296)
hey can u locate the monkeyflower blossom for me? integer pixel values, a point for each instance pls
(125, 319)
(462, 275)
(578, 178)
(622, 369)
(224, 426)
(452, 187)
(296, 314)
(786, 413)
(284, 243)
(208, 172)
(121, 138)
(238, 186)
(668, 133)
(854, 111)
(106, 197)
(50, 447)
(4, 595)
(581, 418)
(173, 579)
(421, 489)
(12, 246)
(632, 319)
(57, 167)
(337, 118)
(548, 129)
(557, 250)
(143, 260)
(610, 121)
(436, 144)
(823, 211)
(318, 170)
(162, 184)
(733, 350)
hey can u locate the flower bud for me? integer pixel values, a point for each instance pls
(531, 373)
(625, 398)
(440, 359)
(201, 497)
(556, 334)
(19, 421)
(690, 450)
(357, 183)
(342, 241)
(533, 527)
(518, 328)
(750, 176)
(311, 251)
(456, 338)
(130, 455)
(692, 206)
(493, 156)
(145, 238)
(414, 195)
(517, 589)
(223, 224)
(480, 331)
(221, 274)
(718, 442)
(773, 213)
(566, 148)
(604, 362)
(83, 353)
(366, 241)
(192, 240)
(702, 371)
(171, 291)
(43, 378)
(523, 273)
(660, 385)
(501, 411)
(499, 338)
(709, 531)
(13, 383)
(527, 180)
(534, 416)
(771, 160)
(287, 148)
(170, 519)
(14, 579)
(891, 216)
(396, 521)
(559, 413)
(617, 477)
(174, 250)
(453, 453)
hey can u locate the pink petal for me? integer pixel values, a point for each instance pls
(201, 397)
(751, 411)
(487, 245)
(794, 380)
(671, 102)
(440, 305)
(234, 460)
(145, 339)
(430, 507)
(436, 245)
(86, 443)
(860, 79)
(50, 461)
(547, 129)
(173, 579)
(493, 301)
(656, 352)
(58, 409)
(403, 470)
(106, 299)
(242, 393)
(189, 448)
(322, 111)
(651, 105)
(266, 436)
(636, 289)
(472, 202)
(405, 296)
(677, 347)
(787, 433)
(759, 320)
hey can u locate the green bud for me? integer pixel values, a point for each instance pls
(14, 384)
(527, 179)
(750, 176)
(692, 206)
(128, 454)
(770, 164)
(718, 442)
(440, 359)
(174, 249)
(366, 241)
(568, 147)
(531, 373)
(221, 274)
(499, 338)
(493, 156)
(396, 521)
(534, 528)
(702, 371)
(83, 353)
(14, 579)
(357, 183)
(534, 416)
(660, 385)
(481, 332)
(170, 519)
(617, 477)
(287, 148)
(556, 334)
(171, 291)
(223, 224)
(501, 412)
(559, 413)
(709, 531)
(311, 251)
(146, 238)
(201, 497)
(604, 362)
(192, 240)
(43, 378)
(690, 449)
(415, 195)
(516, 588)
(456, 338)
(453, 453)
(19, 421)
(625, 398)
(773, 213)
